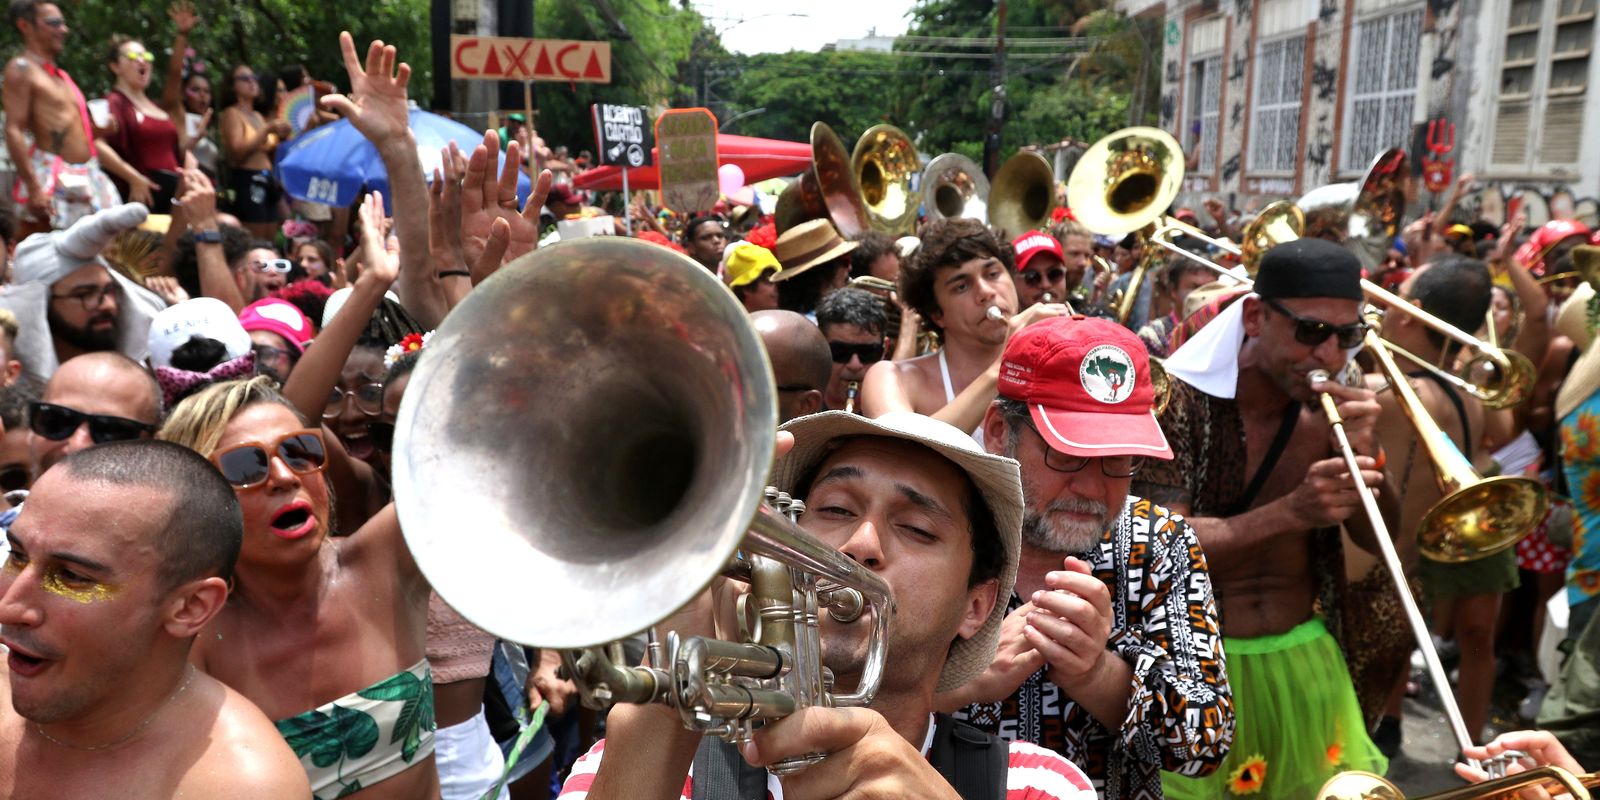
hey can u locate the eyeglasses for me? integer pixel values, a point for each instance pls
(140, 55)
(266, 352)
(58, 423)
(250, 464)
(15, 477)
(1121, 466)
(369, 400)
(90, 297)
(1034, 277)
(870, 353)
(245, 76)
(381, 435)
(54, 22)
(1313, 332)
(279, 265)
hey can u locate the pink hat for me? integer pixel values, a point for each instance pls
(1031, 244)
(1087, 386)
(281, 317)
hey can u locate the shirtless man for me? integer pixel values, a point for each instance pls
(952, 282)
(1455, 289)
(97, 698)
(1256, 475)
(47, 130)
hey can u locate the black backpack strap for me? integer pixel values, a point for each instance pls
(721, 773)
(974, 762)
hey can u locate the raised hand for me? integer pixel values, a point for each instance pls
(484, 200)
(444, 210)
(376, 105)
(196, 198)
(380, 254)
(167, 287)
(183, 15)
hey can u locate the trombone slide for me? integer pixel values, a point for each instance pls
(1397, 572)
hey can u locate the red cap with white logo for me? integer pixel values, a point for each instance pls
(1087, 386)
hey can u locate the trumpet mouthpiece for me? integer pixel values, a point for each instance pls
(995, 314)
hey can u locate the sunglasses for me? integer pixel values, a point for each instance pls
(278, 265)
(140, 55)
(381, 435)
(870, 353)
(368, 397)
(1313, 332)
(1033, 277)
(58, 423)
(250, 464)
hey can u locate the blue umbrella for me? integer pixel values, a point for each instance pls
(334, 163)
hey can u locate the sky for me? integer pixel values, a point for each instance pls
(778, 26)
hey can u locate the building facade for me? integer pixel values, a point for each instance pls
(1282, 96)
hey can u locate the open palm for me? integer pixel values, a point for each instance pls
(484, 200)
(376, 105)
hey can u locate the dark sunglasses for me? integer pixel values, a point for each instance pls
(249, 464)
(58, 423)
(1034, 277)
(870, 353)
(381, 435)
(1313, 332)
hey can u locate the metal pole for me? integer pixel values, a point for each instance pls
(527, 105)
(997, 109)
(627, 204)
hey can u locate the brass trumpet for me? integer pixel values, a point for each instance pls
(1361, 785)
(614, 336)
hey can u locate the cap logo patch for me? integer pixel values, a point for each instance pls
(1107, 374)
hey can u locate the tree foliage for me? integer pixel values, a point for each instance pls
(266, 34)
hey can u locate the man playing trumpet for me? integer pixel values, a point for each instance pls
(1255, 474)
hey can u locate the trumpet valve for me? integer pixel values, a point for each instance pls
(843, 603)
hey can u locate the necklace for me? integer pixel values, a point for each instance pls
(129, 734)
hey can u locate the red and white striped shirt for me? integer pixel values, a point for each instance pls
(1034, 773)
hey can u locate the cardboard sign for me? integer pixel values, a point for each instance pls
(501, 58)
(687, 141)
(621, 135)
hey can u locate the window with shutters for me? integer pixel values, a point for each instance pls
(1544, 77)
(1382, 86)
(1205, 108)
(1275, 130)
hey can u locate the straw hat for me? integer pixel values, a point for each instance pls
(808, 244)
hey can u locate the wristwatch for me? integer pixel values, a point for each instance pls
(208, 237)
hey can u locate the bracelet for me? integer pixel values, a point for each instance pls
(452, 273)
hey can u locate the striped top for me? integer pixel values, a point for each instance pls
(1034, 773)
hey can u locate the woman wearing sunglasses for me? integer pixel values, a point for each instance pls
(141, 131)
(319, 630)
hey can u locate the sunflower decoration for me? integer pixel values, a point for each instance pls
(1248, 777)
(1335, 754)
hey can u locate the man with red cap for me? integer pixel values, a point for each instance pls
(1041, 269)
(1110, 653)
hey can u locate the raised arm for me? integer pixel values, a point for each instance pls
(183, 16)
(197, 205)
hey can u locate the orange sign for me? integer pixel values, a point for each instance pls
(500, 58)
(686, 139)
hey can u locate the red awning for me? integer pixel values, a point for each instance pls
(759, 158)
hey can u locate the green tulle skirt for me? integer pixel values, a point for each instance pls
(1298, 721)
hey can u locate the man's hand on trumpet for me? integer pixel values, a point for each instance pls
(1360, 409)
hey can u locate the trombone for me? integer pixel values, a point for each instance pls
(1361, 785)
(613, 335)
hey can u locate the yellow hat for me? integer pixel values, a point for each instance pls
(747, 262)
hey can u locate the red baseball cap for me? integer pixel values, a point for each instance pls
(1031, 244)
(1087, 385)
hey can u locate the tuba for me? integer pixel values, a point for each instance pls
(1022, 194)
(1124, 183)
(953, 186)
(884, 164)
(1365, 215)
(828, 189)
(612, 466)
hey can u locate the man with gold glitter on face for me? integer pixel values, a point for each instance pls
(97, 697)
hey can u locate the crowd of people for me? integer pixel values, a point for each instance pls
(1110, 578)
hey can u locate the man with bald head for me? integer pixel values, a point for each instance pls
(801, 361)
(92, 399)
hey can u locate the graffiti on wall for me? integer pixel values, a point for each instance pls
(1541, 204)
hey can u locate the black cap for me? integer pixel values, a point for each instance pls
(1309, 267)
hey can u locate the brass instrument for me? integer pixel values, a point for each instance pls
(639, 485)
(884, 291)
(1361, 785)
(954, 187)
(852, 389)
(1022, 194)
(884, 164)
(1124, 183)
(828, 189)
(1364, 216)
(1161, 383)
(1279, 222)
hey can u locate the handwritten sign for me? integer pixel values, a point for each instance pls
(500, 58)
(621, 135)
(687, 141)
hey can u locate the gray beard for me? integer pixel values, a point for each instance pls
(1041, 530)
